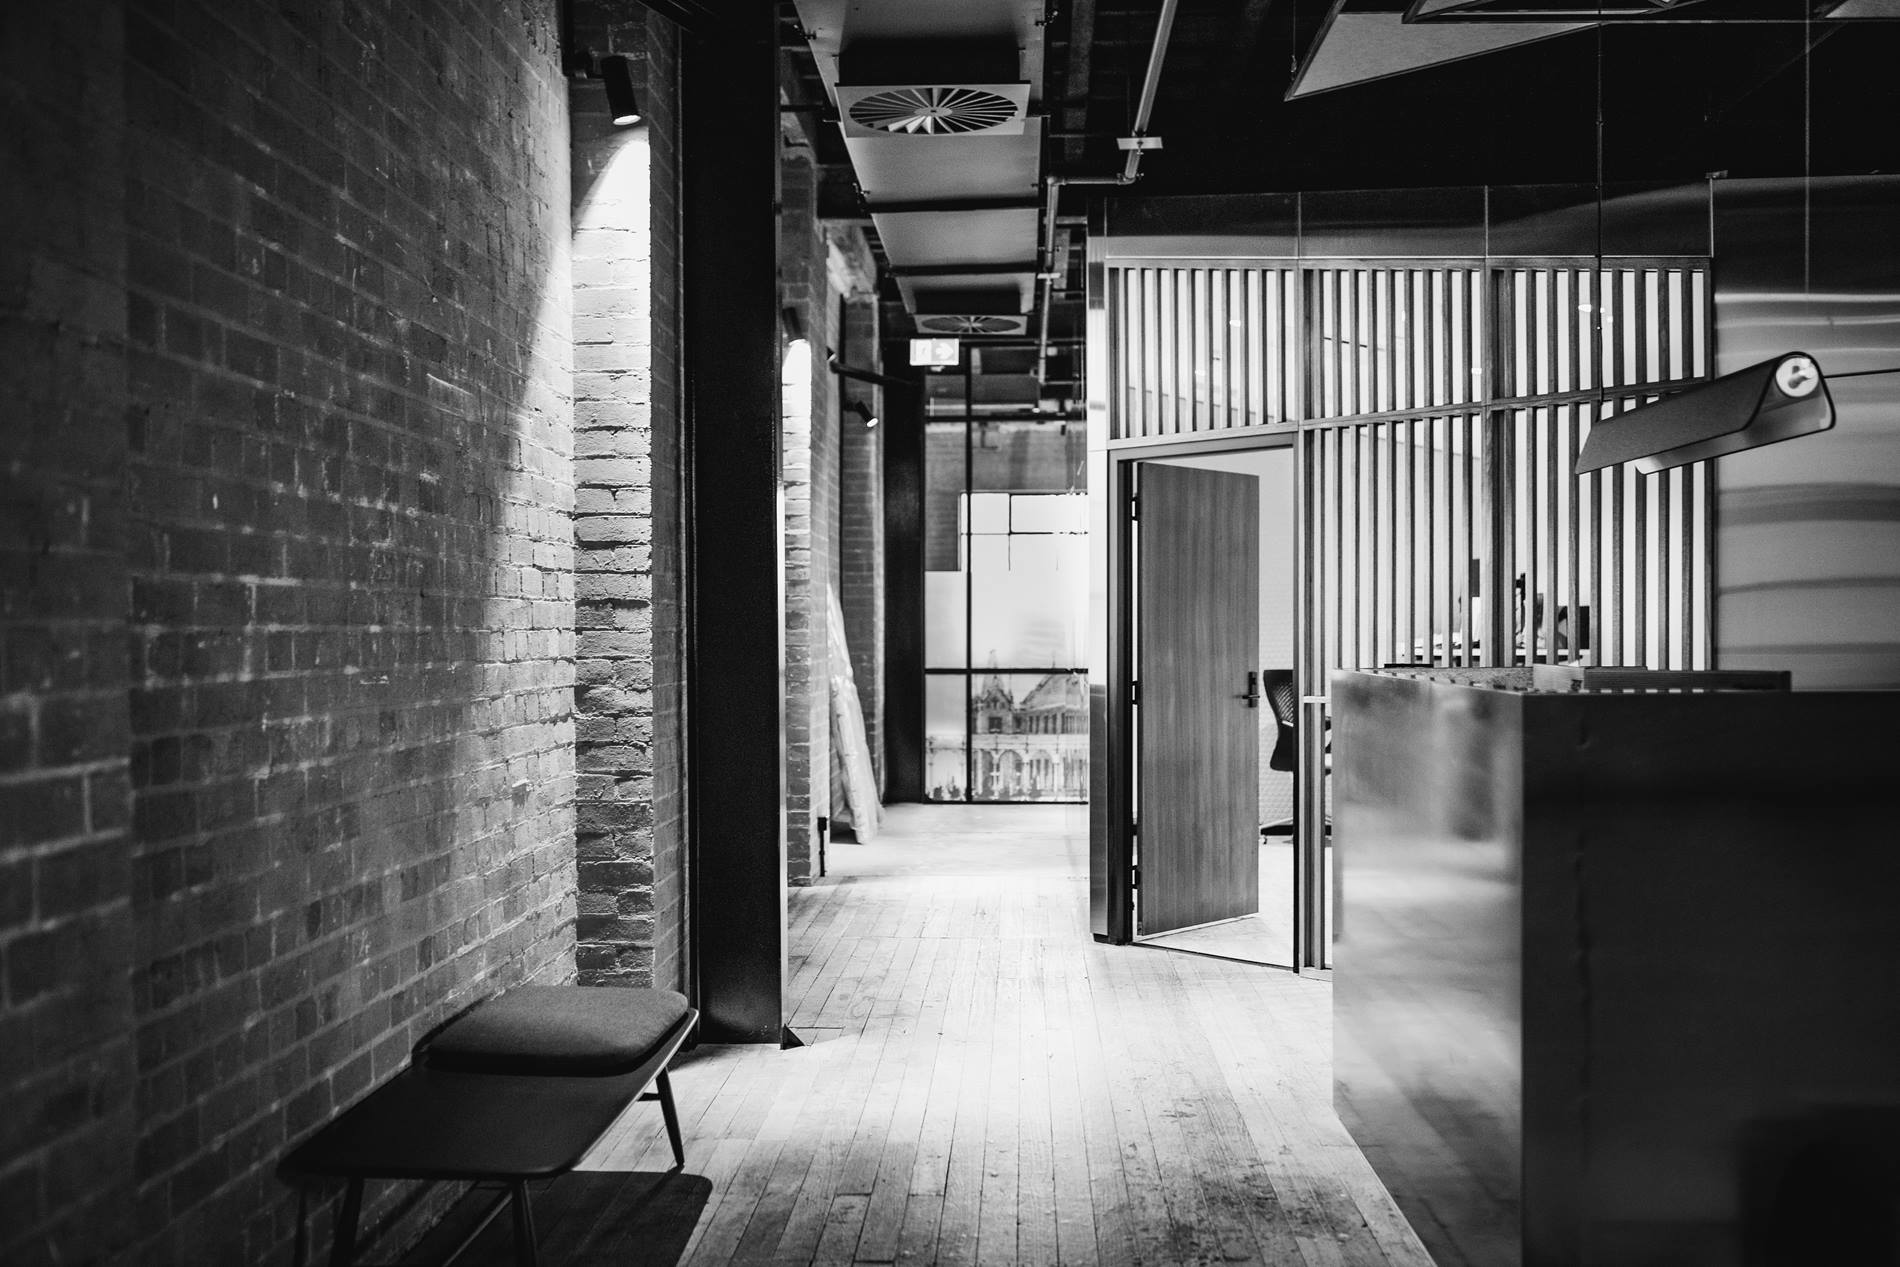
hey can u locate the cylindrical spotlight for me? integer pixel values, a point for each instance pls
(620, 99)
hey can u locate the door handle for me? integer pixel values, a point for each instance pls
(1253, 689)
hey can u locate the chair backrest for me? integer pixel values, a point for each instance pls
(1277, 686)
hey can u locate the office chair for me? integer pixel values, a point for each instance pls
(1277, 686)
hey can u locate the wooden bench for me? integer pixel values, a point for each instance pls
(517, 1088)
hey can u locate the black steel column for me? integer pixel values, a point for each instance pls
(735, 661)
(903, 588)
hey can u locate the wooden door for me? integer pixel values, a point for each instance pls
(1198, 732)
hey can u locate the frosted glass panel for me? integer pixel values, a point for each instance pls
(1049, 514)
(988, 555)
(989, 512)
(1021, 618)
(1045, 553)
(944, 626)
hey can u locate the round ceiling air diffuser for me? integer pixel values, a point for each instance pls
(935, 111)
(968, 325)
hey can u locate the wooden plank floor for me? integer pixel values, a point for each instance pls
(985, 1084)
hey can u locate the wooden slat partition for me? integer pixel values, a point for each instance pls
(1436, 532)
(1201, 348)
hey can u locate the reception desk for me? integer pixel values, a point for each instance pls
(1618, 974)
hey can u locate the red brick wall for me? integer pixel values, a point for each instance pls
(344, 437)
(65, 938)
(626, 531)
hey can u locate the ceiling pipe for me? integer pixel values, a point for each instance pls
(1150, 83)
(1130, 173)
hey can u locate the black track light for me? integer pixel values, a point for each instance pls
(618, 75)
(862, 410)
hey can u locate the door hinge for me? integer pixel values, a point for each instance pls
(1134, 878)
(1134, 692)
(1134, 507)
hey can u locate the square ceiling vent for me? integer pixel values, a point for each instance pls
(964, 324)
(927, 110)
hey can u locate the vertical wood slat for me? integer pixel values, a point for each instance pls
(1126, 284)
(1182, 352)
(1694, 555)
(1337, 641)
(1336, 359)
(1341, 379)
(1356, 369)
(1234, 374)
(1200, 349)
(1121, 383)
(1664, 588)
(1181, 347)
(1552, 587)
(1411, 517)
(1639, 563)
(1370, 556)
(1572, 433)
(1430, 517)
(1545, 293)
(1156, 352)
(1268, 387)
(1164, 352)
(1219, 285)
(1359, 461)
(1150, 361)
(1394, 652)
(1495, 532)
(1386, 336)
(1365, 341)
(1259, 386)
(1136, 342)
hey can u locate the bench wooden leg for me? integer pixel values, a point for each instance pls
(343, 1235)
(664, 1085)
(526, 1254)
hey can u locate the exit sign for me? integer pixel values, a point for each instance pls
(935, 351)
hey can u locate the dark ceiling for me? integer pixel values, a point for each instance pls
(1678, 100)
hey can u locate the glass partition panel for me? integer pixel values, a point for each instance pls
(946, 751)
(1005, 626)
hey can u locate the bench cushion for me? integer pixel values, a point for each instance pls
(565, 1030)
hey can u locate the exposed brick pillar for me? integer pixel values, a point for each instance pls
(861, 522)
(809, 437)
(666, 452)
(626, 527)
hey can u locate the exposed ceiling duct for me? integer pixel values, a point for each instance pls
(937, 104)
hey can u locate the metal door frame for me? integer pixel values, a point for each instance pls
(1115, 799)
